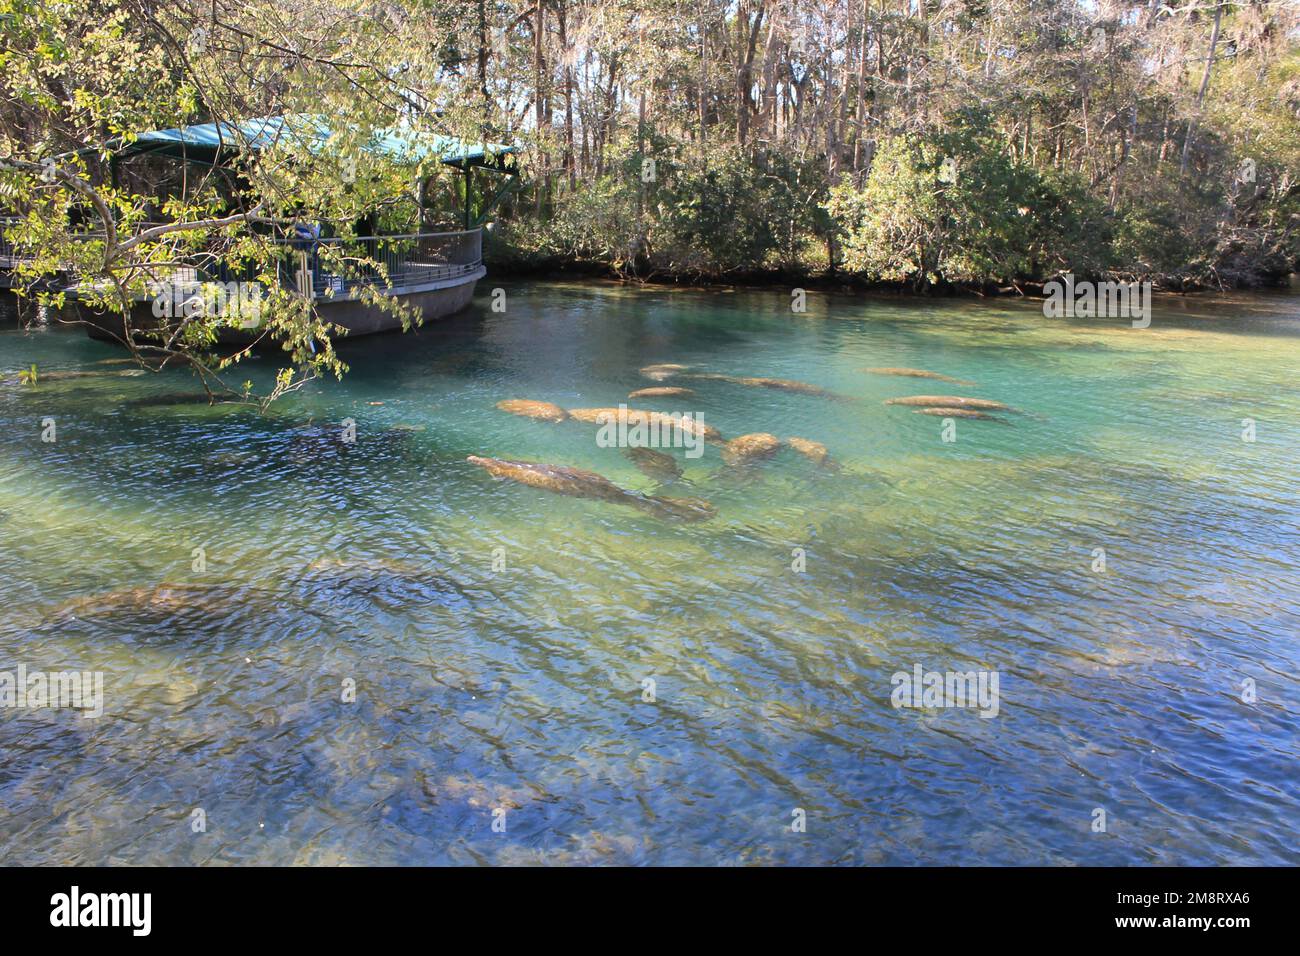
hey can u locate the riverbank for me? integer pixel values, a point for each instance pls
(502, 265)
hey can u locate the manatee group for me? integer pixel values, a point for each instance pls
(634, 417)
(743, 450)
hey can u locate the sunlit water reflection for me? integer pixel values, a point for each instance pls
(482, 687)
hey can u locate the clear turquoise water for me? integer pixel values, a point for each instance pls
(521, 688)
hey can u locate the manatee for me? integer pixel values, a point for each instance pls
(782, 384)
(747, 448)
(814, 451)
(530, 409)
(596, 415)
(655, 464)
(688, 509)
(779, 384)
(916, 373)
(951, 401)
(636, 416)
(662, 391)
(165, 599)
(662, 371)
(561, 479)
(958, 413)
(475, 793)
(579, 483)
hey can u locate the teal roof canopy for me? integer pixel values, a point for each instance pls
(207, 142)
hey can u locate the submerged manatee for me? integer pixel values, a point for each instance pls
(655, 464)
(814, 451)
(637, 416)
(951, 401)
(476, 793)
(580, 483)
(687, 509)
(561, 479)
(959, 413)
(661, 391)
(782, 384)
(663, 371)
(916, 373)
(190, 600)
(779, 384)
(529, 409)
(747, 448)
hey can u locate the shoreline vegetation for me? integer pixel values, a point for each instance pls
(844, 283)
(837, 283)
(958, 147)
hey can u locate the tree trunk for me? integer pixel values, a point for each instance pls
(539, 99)
(568, 95)
(1205, 82)
(745, 77)
(483, 60)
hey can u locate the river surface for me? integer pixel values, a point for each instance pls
(380, 650)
